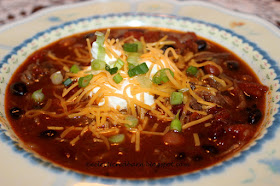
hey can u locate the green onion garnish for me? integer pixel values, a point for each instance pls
(161, 77)
(176, 124)
(56, 78)
(176, 98)
(191, 70)
(117, 78)
(99, 38)
(100, 41)
(38, 96)
(139, 69)
(130, 47)
(139, 46)
(119, 63)
(114, 70)
(130, 66)
(133, 58)
(84, 81)
(98, 64)
(117, 138)
(111, 70)
(133, 121)
(75, 69)
(101, 52)
(67, 82)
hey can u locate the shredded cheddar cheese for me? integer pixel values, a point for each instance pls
(196, 139)
(93, 101)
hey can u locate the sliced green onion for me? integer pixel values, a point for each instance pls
(161, 77)
(130, 66)
(75, 69)
(117, 78)
(114, 70)
(117, 138)
(133, 121)
(130, 47)
(176, 124)
(139, 46)
(139, 69)
(119, 63)
(144, 81)
(111, 70)
(84, 81)
(99, 38)
(38, 95)
(143, 68)
(101, 52)
(67, 82)
(100, 41)
(56, 78)
(191, 70)
(98, 64)
(176, 98)
(131, 73)
(133, 58)
(107, 68)
(98, 33)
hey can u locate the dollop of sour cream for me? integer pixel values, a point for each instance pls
(114, 101)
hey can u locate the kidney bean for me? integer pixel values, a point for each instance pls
(173, 138)
(176, 108)
(253, 89)
(211, 69)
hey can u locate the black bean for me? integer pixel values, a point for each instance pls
(19, 89)
(254, 115)
(166, 47)
(197, 158)
(232, 65)
(210, 149)
(89, 35)
(180, 155)
(201, 45)
(16, 112)
(48, 134)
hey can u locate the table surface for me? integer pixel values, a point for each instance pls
(12, 10)
(259, 167)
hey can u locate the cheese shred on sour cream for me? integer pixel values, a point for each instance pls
(114, 101)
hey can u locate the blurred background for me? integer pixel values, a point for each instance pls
(12, 10)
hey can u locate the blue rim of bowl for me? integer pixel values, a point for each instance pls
(215, 169)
